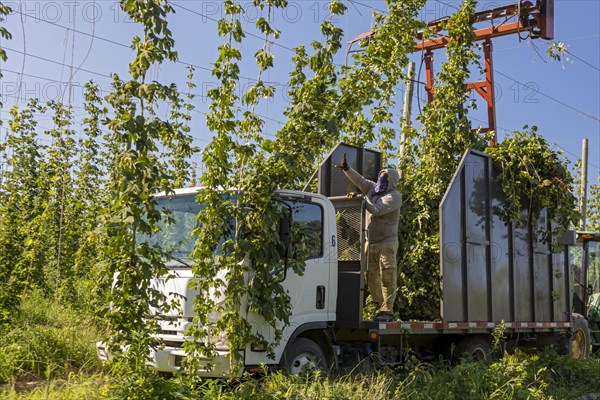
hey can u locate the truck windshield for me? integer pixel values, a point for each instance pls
(179, 220)
(176, 226)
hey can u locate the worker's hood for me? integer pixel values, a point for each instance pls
(393, 178)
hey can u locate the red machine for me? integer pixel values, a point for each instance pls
(537, 20)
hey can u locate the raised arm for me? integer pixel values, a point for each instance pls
(390, 202)
(363, 184)
(357, 179)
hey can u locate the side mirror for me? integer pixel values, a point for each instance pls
(285, 236)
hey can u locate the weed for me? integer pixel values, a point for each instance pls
(46, 341)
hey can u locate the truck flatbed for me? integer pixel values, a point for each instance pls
(393, 328)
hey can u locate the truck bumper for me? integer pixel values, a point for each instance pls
(169, 359)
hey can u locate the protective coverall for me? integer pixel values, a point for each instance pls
(383, 203)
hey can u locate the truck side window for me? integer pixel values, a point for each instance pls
(307, 229)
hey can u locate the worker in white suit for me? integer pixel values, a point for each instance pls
(383, 203)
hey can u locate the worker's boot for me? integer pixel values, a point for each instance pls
(384, 316)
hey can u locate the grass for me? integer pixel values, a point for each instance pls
(545, 376)
(75, 387)
(48, 353)
(47, 341)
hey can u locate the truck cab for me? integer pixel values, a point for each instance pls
(312, 295)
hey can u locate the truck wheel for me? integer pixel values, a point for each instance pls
(303, 355)
(472, 348)
(581, 341)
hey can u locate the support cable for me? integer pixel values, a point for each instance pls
(582, 60)
(123, 45)
(56, 62)
(24, 50)
(367, 6)
(198, 96)
(216, 20)
(72, 53)
(594, 117)
(93, 35)
(577, 157)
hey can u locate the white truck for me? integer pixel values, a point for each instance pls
(494, 276)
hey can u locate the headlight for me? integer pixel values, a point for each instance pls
(219, 341)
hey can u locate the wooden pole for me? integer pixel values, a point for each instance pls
(584, 178)
(406, 112)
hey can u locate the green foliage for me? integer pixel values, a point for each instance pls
(176, 162)
(535, 177)
(4, 34)
(89, 199)
(21, 258)
(60, 214)
(50, 203)
(430, 163)
(224, 157)
(370, 84)
(557, 51)
(312, 127)
(135, 173)
(543, 376)
(46, 341)
(593, 208)
(74, 387)
(239, 157)
(149, 385)
(374, 385)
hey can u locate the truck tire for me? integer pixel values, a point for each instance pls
(472, 348)
(581, 340)
(303, 355)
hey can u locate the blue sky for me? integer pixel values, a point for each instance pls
(75, 41)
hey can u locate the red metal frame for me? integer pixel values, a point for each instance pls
(537, 19)
(428, 59)
(486, 89)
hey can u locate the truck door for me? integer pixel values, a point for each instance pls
(311, 296)
(310, 293)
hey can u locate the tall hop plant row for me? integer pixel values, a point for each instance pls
(433, 154)
(240, 157)
(137, 137)
(51, 189)
(72, 209)
(44, 191)
(325, 100)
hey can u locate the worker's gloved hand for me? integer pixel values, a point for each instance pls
(343, 165)
(352, 195)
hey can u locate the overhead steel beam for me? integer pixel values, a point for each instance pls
(537, 20)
